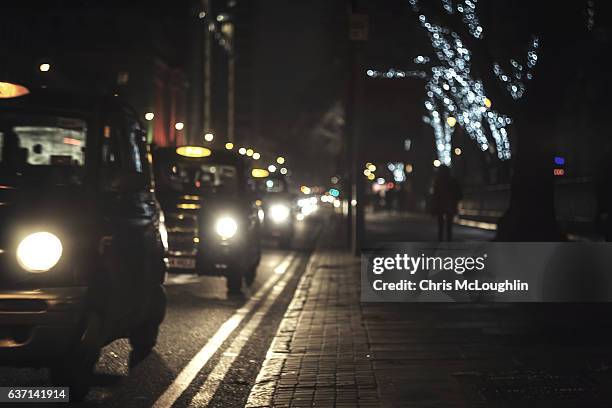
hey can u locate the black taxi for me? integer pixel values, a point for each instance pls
(81, 233)
(279, 208)
(211, 215)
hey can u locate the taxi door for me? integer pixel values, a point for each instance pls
(130, 239)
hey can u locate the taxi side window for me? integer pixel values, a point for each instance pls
(125, 165)
(110, 162)
(111, 153)
(138, 153)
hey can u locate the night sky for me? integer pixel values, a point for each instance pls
(301, 73)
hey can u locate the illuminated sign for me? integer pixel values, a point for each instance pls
(193, 151)
(559, 172)
(260, 173)
(8, 90)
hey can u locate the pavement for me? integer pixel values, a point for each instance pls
(320, 354)
(386, 226)
(331, 350)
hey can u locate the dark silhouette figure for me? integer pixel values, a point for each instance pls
(446, 195)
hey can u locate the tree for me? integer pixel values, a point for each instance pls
(500, 71)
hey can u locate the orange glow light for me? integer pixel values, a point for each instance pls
(8, 90)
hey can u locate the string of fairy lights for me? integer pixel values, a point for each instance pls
(515, 84)
(453, 95)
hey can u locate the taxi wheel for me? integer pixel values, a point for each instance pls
(76, 370)
(286, 243)
(76, 374)
(249, 277)
(234, 282)
(143, 337)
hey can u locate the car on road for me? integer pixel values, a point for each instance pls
(81, 233)
(211, 214)
(279, 207)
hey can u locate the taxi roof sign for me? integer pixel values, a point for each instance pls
(260, 173)
(9, 90)
(193, 151)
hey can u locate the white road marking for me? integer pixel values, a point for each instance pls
(262, 391)
(282, 267)
(186, 376)
(218, 373)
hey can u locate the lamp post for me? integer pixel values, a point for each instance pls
(227, 29)
(209, 25)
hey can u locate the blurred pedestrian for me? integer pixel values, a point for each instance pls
(445, 198)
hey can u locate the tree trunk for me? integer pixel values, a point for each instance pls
(531, 214)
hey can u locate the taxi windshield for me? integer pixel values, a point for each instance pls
(42, 149)
(199, 178)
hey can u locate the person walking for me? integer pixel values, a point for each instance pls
(445, 198)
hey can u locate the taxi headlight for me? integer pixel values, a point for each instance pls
(226, 227)
(279, 213)
(39, 252)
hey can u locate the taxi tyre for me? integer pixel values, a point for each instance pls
(286, 240)
(143, 337)
(250, 274)
(234, 282)
(76, 370)
(235, 275)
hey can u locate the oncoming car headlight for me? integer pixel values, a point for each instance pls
(279, 212)
(226, 227)
(39, 252)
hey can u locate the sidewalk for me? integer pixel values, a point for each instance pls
(320, 355)
(331, 350)
(386, 226)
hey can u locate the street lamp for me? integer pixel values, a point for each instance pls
(209, 137)
(149, 116)
(249, 152)
(256, 156)
(229, 145)
(44, 67)
(283, 170)
(179, 125)
(242, 151)
(271, 168)
(280, 160)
